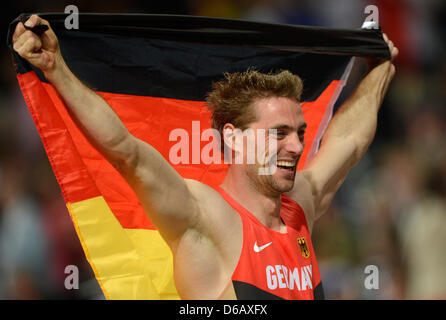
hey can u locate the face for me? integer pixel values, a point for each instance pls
(285, 116)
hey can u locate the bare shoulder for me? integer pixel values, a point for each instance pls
(208, 199)
(202, 192)
(303, 194)
(216, 214)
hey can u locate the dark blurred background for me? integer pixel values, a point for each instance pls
(390, 212)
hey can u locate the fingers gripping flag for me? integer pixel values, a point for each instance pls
(155, 71)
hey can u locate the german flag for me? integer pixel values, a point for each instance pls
(155, 71)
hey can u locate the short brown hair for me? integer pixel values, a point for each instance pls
(231, 99)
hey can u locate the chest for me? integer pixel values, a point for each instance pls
(275, 265)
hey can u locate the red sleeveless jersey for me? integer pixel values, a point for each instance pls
(274, 265)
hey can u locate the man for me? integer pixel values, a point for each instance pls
(250, 238)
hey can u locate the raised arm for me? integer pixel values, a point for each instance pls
(163, 193)
(348, 136)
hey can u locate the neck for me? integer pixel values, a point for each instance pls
(266, 208)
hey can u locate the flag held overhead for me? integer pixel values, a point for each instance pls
(154, 71)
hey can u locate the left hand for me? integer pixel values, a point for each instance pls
(372, 63)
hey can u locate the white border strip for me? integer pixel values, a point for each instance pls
(329, 112)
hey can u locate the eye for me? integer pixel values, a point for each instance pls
(281, 133)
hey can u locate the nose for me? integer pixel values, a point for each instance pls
(294, 145)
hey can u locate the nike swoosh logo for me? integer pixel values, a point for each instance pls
(258, 249)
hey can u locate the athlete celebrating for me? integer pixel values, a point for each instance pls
(251, 237)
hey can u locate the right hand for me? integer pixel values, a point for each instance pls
(41, 51)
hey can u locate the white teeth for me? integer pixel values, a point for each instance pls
(286, 164)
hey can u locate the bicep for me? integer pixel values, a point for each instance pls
(163, 193)
(328, 169)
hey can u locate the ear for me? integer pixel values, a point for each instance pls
(229, 134)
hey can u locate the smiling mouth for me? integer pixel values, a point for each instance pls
(287, 165)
